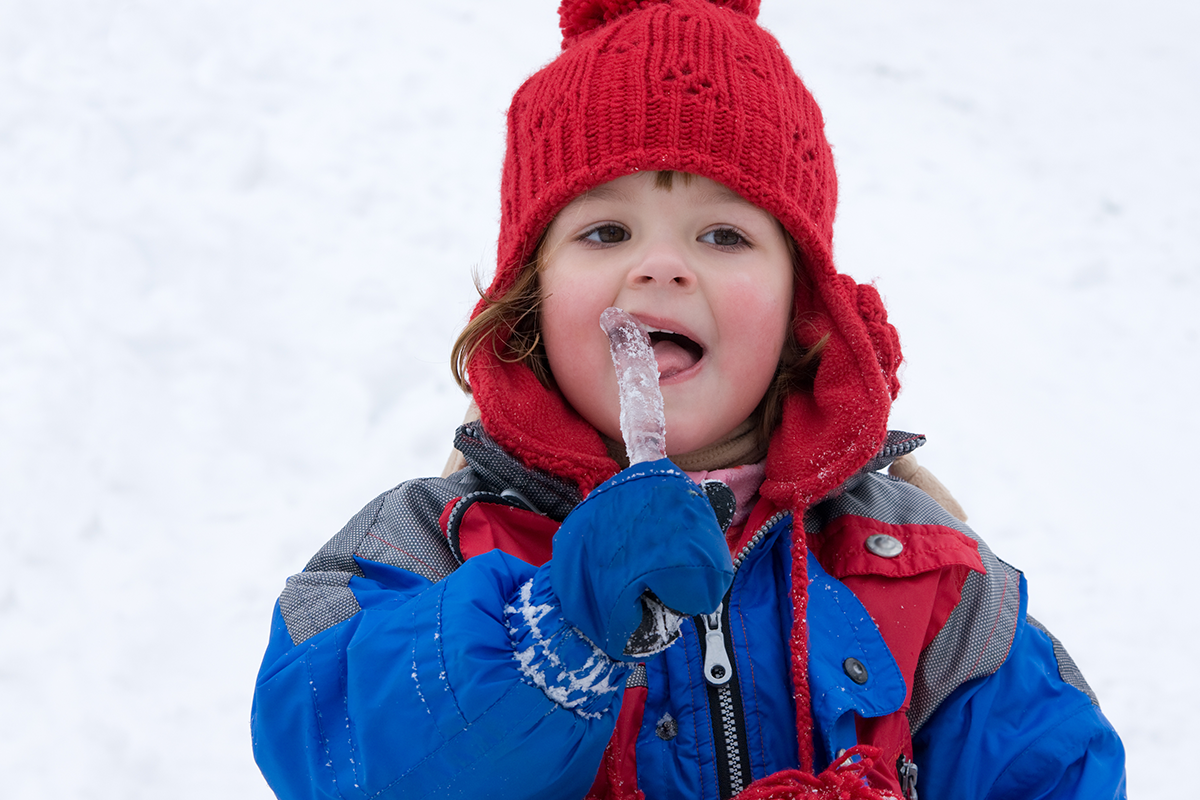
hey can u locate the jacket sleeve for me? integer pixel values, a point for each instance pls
(381, 682)
(1030, 731)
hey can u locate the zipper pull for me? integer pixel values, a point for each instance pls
(717, 669)
(907, 771)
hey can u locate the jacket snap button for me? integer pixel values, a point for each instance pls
(855, 670)
(884, 546)
(667, 728)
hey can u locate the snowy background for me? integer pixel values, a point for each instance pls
(236, 239)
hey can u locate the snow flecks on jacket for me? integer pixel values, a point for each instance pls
(556, 658)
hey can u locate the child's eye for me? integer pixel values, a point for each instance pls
(724, 237)
(607, 234)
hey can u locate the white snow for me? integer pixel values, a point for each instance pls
(540, 663)
(235, 245)
(643, 425)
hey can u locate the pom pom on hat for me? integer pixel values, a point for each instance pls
(579, 17)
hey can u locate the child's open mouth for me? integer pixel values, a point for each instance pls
(674, 352)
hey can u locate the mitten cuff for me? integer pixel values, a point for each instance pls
(555, 657)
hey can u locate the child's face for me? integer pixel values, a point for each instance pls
(697, 261)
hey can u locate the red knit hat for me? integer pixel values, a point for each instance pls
(695, 86)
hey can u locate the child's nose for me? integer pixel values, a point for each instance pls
(663, 265)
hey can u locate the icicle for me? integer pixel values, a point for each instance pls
(643, 425)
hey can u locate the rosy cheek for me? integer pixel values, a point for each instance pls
(762, 315)
(567, 328)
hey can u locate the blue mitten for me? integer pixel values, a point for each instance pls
(643, 540)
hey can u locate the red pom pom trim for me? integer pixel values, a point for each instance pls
(843, 780)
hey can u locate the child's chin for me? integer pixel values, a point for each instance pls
(687, 441)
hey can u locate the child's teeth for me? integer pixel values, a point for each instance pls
(647, 329)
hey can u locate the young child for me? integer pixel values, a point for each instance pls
(764, 613)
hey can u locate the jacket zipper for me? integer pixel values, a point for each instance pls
(724, 692)
(907, 771)
(724, 703)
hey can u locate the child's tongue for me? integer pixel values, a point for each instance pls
(672, 358)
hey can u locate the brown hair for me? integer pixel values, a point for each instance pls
(512, 326)
(796, 372)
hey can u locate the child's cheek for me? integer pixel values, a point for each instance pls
(577, 350)
(756, 316)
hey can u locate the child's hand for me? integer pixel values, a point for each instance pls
(647, 529)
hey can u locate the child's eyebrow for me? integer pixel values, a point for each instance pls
(720, 192)
(604, 192)
(713, 191)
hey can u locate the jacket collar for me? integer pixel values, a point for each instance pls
(502, 472)
(552, 495)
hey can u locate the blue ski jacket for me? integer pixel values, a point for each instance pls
(422, 654)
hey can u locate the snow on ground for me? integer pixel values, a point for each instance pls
(236, 241)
